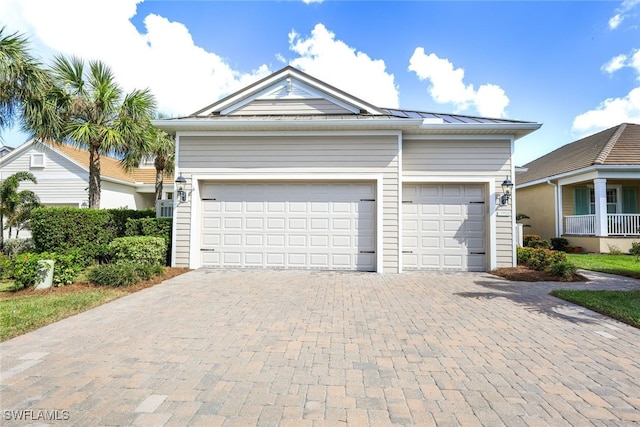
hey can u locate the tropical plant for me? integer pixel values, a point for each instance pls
(88, 109)
(520, 217)
(158, 145)
(16, 206)
(23, 79)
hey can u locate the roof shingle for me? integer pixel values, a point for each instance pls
(619, 145)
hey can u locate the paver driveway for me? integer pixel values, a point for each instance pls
(324, 348)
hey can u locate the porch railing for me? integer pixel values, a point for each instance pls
(617, 225)
(580, 224)
(164, 209)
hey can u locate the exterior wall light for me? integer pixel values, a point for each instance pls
(181, 193)
(507, 186)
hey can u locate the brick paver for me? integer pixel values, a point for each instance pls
(244, 348)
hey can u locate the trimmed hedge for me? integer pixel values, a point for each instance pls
(90, 230)
(139, 250)
(156, 227)
(122, 274)
(58, 229)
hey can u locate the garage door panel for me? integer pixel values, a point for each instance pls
(444, 227)
(295, 225)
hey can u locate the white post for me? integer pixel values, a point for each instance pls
(600, 192)
(560, 218)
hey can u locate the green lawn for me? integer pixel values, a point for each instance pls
(24, 313)
(621, 305)
(624, 265)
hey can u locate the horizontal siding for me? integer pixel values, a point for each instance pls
(289, 107)
(453, 155)
(59, 182)
(478, 158)
(329, 156)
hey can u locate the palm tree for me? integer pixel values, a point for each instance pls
(16, 205)
(23, 79)
(88, 109)
(158, 145)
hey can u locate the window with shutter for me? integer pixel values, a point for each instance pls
(629, 200)
(581, 201)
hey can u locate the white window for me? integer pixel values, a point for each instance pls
(37, 160)
(612, 201)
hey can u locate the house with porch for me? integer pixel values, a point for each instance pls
(586, 191)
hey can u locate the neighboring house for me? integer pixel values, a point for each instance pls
(62, 172)
(586, 191)
(4, 150)
(291, 172)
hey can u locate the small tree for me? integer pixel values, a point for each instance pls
(16, 206)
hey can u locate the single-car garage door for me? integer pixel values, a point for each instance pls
(289, 225)
(443, 227)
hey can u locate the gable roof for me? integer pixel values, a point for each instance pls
(291, 99)
(110, 168)
(619, 145)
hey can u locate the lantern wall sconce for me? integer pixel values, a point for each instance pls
(507, 187)
(181, 181)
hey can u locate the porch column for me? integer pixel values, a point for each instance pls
(559, 212)
(600, 192)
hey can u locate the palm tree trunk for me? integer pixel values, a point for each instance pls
(159, 179)
(94, 177)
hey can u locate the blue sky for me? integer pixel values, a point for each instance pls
(573, 66)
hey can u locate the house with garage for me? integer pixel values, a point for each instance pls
(62, 172)
(586, 191)
(291, 172)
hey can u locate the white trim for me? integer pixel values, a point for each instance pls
(400, 193)
(195, 260)
(514, 243)
(490, 183)
(601, 171)
(222, 133)
(454, 137)
(260, 95)
(560, 210)
(174, 223)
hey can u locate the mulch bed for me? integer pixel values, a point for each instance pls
(524, 274)
(80, 286)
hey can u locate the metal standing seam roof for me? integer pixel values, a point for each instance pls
(619, 145)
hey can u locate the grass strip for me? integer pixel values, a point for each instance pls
(621, 305)
(623, 265)
(25, 313)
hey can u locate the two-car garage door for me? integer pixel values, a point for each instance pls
(289, 225)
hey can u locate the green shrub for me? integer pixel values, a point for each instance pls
(120, 217)
(58, 229)
(139, 250)
(559, 243)
(562, 269)
(123, 274)
(539, 258)
(26, 270)
(6, 267)
(157, 227)
(534, 241)
(67, 266)
(114, 275)
(635, 250)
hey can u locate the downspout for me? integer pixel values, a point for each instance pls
(555, 207)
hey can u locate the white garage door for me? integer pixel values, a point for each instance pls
(444, 227)
(289, 225)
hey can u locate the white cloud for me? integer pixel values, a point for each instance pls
(155, 58)
(447, 86)
(611, 112)
(321, 55)
(614, 64)
(312, 1)
(622, 13)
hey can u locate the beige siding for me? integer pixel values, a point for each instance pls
(289, 106)
(538, 203)
(323, 156)
(458, 158)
